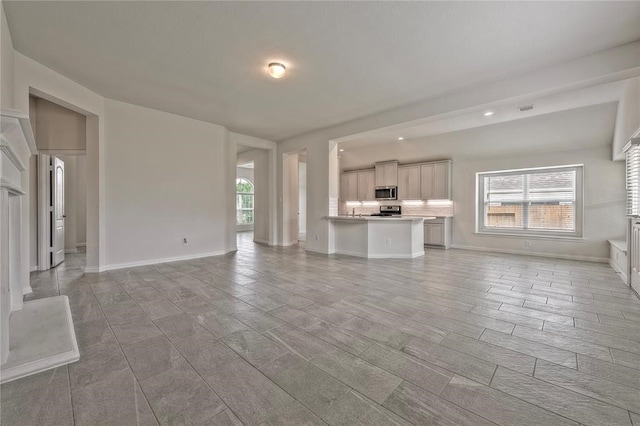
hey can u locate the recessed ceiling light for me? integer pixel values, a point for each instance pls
(276, 70)
(400, 138)
(488, 113)
(341, 150)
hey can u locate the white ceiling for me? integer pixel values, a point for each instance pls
(346, 60)
(580, 128)
(503, 111)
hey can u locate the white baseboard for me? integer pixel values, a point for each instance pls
(34, 268)
(81, 244)
(302, 236)
(619, 271)
(70, 251)
(287, 244)
(530, 253)
(318, 251)
(93, 270)
(381, 256)
(258, 240)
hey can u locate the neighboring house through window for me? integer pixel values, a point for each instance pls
(244, 201)
(531, 202)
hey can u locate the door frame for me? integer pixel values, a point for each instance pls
(43, 177)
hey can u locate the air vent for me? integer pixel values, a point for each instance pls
(526, 108)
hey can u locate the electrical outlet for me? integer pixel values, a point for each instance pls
(185, 241)
(527, 243)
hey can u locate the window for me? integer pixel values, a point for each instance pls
(536, 202)
(244, 201)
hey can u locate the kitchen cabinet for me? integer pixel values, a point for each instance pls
(349, 186)
(387, 173)
(357, 185)
(366, 185)
(409, 185)
(437, 232)
(435, 180)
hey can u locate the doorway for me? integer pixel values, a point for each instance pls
(62, 211)
(58, 187)
(294, 199)
(255, 211)
(245, 202)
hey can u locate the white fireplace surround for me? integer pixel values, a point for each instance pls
(36, 335)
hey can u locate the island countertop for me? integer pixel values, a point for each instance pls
(388, 237)
(382, 218)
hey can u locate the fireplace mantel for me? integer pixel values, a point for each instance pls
(36, 335)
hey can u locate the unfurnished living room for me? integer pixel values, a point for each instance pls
(327, 213)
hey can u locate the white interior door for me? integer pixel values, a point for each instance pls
(57, 213)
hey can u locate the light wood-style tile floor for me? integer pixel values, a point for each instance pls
(280, 336)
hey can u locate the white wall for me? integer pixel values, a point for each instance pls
(165, 181)
(247, 173)
(290, 199)
(580, 136)
(604, 203)
(628, 118)
(6, 64)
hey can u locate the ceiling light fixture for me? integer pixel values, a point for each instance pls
(488, 113)
(400, 138)
(276, 70)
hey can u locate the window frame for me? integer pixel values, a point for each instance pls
(577, 233)
(252, 209)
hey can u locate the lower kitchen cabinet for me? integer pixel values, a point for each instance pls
(437, 232)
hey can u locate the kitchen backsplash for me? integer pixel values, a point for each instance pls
(426, 208)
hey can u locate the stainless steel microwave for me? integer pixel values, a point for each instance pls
(386, 192)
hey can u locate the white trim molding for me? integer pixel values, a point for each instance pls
(532, 253)
(43, 338)
(116, 266)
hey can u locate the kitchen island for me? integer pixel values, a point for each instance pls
(378, 237)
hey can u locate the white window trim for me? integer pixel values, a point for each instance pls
(577, 234)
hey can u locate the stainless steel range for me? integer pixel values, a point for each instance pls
(389, 211)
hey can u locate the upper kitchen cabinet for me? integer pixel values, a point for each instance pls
(435, 180)
(357, 185)
(409, 185)
(366, 185)
(349, 186)
(387, 173)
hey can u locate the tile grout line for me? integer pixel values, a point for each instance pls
(122, 351)
(176, 349)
